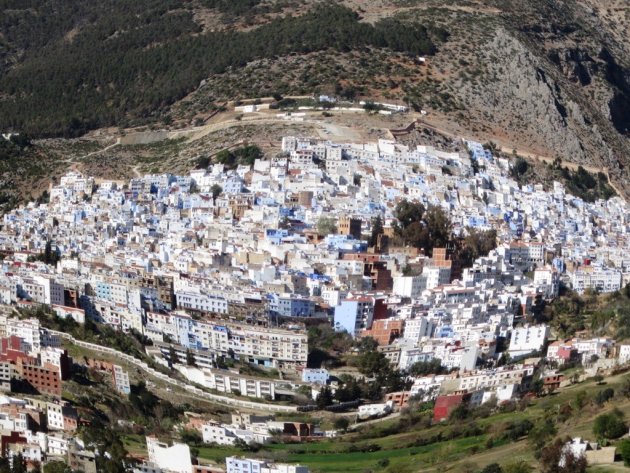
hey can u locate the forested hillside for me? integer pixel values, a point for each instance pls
(74, 66)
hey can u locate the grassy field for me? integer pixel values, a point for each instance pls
(410, 451)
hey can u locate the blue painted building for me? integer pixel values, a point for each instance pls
(355, 315)
(289, 305)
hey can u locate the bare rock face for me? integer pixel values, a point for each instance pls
(550, 77)
(576, 64)
(524, 97)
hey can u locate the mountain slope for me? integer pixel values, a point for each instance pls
(549, 78)
(95, 67)
(544, 77)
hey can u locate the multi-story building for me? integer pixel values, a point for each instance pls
(27, 330)
(290, 305)
(354, 314)
(598, 279)
(42, 379)
(349, 226)
(201, 303)
(527, 339)
(409, 286)
(120, 378)
(518, 375)
(385, 331)
(417, 329)
(6, 375)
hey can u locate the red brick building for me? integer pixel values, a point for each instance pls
(44, 380)
(384, 331)
(444, 258)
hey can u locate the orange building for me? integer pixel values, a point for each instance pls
(400, 398)
(443, 258)
(384, 331)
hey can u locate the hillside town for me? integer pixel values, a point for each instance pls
(228, 267)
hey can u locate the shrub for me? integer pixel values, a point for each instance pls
(623, 448)
(604, 396)
(609, 426)
(492, 468)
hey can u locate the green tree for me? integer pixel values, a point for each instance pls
(216, 190)
(460, 413)
(18, 464)
(423, 368)
(191, 436)
(604, 396)
(377, 229)
(519, 168)
(366, 344)
(581, 398)
(247, 155)
(477, 243)
(406, 213)
(371, 363)
(326, 226)
(492, 468)
(350, 390)
(341, 423)
(203, 162)
(542, 432)
(417, 235)
(190, 358)
(439, 226)
(422, 228)
(609, 426)
(50, 256)
(324, 398)
(623, 448)
(226, 157)
(172, 356)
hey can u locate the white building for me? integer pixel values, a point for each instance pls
(371, 410)
(624, 353)
(436, 276)
(249, 465)
(602, 280)
(417, 329)
(527, 339)
(28, 330)
(174, 459)
(409, 286)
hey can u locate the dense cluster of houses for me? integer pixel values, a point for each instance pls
(35, 422)
(227, 264)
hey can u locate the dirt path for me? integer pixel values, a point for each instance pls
(92, 153)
